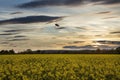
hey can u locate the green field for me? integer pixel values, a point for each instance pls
(60, 67)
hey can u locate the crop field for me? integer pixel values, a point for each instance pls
(60, 67)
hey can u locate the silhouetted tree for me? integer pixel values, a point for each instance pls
(98, 50)
(118, 50)
(11, 51)
(2, 52)
(29, 51)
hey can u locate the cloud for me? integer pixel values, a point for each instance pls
(79, 47)
(105, 12)
(110, 17)
(111, 1)
(19, 39)
(117, 32)
(8, 34)
(4, 43)
(76, 42)
(19, 36)
(29, 19)
(16, 13)
(45, 3)
(42, 3)
(18, 30)
(106, 1)
(107, 42)
(12, 30)
(71, 47)
(90, 47)
(81, 28)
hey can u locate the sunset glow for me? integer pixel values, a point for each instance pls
(86, 24)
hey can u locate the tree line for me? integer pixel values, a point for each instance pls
(29, 51)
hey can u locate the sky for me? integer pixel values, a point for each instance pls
(83, 24)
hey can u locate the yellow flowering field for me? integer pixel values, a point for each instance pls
(60, 67)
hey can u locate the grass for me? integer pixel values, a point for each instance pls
(60, 67)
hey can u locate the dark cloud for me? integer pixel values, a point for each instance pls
(117, 32)
(16, 13)
(106, 1)
(79, 47)
(81, 28)
(19, 36)
(21, 39)
(4, 43)
(71, 47)
(90, 47)
(109, 17)
(76, 42)
(12, 30)
(44, 3)
(29, 19)
(18, 30)
(111, 1)
(8, 34)
(105, 12)
(107, 42)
